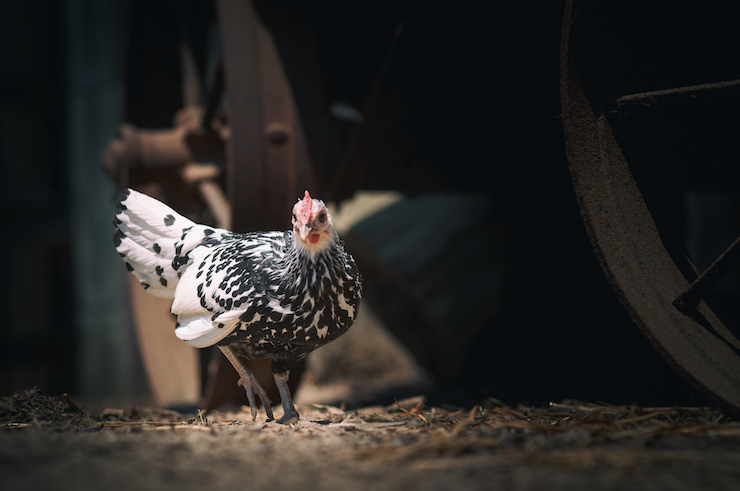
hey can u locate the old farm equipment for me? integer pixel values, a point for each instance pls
(262, 171)
(649, 98)
(645, 94)
(247, 140)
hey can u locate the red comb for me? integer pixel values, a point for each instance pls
(304, 213)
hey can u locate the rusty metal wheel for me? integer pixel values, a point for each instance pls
(636, 85)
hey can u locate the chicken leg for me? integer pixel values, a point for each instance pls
(290, 415)
(250, 384)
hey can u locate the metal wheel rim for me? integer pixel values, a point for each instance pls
(629, 248)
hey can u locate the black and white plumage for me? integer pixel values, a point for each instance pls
(276, 295)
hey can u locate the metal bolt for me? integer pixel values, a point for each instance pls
(277, 133)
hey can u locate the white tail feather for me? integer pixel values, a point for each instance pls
(154, 241)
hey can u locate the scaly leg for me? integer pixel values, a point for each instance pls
(290, 415)
(250, 384)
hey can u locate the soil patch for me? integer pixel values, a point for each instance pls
(52, 443)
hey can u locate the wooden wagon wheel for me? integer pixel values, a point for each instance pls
(269, 72)
(599, 78)
(272, 124)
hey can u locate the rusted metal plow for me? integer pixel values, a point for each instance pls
(637, 256)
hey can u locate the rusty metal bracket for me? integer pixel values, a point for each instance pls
(689, 300)
(141, 154)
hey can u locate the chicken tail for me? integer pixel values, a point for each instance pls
(154, 241)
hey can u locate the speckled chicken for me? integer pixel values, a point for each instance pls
(276, 295)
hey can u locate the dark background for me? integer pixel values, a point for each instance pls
(478, 114)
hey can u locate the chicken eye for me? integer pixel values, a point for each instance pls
(322, 217)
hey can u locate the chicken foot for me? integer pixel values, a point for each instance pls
(250, 384)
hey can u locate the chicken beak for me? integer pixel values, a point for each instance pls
(303, 231)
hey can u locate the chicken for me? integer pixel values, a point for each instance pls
(276, 295)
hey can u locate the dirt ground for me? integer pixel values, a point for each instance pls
(52, 443)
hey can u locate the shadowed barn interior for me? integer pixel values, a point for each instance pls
(436, 135)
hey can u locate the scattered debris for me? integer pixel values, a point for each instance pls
(407, 436)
